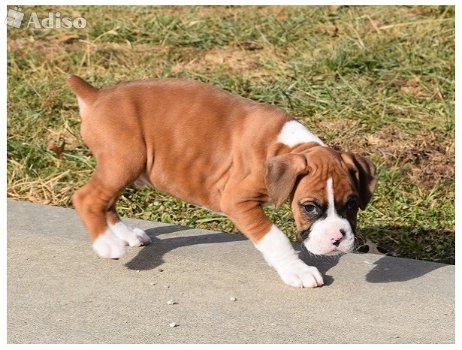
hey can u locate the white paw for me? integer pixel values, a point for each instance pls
(300, 275)
(109, 246)
(278, 252)
(134, 237)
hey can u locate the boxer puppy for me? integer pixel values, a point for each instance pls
(222, 152)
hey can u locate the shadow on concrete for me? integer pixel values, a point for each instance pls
(387, 269)
(323, 263)
(151, 256)
(391, 269)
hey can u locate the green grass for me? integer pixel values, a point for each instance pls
(378, 81)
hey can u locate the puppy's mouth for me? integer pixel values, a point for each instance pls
(337, 251)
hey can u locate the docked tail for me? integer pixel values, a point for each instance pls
(85, 93)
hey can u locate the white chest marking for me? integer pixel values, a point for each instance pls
(294, 133)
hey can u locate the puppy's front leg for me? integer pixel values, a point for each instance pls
(274, 245)
(279, 253)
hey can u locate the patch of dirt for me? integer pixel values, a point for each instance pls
(233, 59)
(420, 89)
(45, 48)
(427, 158)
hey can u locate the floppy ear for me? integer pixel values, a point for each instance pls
(363, 173)
(281, 174)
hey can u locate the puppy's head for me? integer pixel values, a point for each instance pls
(326, 189)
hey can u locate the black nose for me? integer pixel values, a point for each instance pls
(336, 243)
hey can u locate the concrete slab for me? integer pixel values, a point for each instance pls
(60, 292)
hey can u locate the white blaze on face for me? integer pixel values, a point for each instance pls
(324, 231)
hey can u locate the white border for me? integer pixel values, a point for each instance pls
(3, 179)
(3, 123)
(238, 2)
(458, 164)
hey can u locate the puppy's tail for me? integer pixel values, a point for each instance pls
(86, 94)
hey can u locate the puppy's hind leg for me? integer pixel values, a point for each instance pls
(95, 202)
(133, 236)
(91, 202)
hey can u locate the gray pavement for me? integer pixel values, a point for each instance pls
(59, 291)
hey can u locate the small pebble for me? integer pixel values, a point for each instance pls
(173, 325)
(152, 283)
(171, 302)
(137, 270)
(161, 270)
(232, 299)
(166, 286)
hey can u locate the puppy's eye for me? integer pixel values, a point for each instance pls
(352, 205)
(311, 209)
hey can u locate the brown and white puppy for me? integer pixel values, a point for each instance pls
(222, 152)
